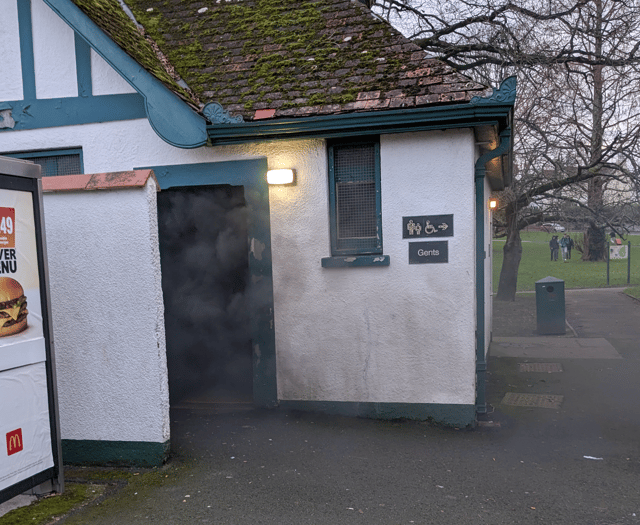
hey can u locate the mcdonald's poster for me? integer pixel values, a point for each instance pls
(25, 428)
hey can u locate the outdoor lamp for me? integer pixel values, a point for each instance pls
(281, 177)
(493, 204)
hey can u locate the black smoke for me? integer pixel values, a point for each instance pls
(204, 258)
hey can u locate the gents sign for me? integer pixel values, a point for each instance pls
(428, 252)
(427, 226)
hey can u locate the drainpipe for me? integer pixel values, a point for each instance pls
(481, 255)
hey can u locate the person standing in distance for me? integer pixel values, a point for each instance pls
(553, 245)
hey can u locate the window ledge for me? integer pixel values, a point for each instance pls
(345, 261)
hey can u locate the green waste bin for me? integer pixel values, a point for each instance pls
(550, 306)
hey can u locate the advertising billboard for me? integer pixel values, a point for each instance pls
(29, 429)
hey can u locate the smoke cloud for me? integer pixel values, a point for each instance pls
(204, 257)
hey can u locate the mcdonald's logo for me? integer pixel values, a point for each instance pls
(14, 441)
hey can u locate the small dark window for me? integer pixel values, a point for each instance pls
(354, 172)
(58, 162)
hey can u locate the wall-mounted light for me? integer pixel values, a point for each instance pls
(284, 176)
(493, 204)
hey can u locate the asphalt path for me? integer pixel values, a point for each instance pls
(576, 464)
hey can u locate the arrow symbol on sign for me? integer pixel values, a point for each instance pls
(443, 226)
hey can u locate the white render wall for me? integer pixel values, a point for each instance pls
(105, 80)
(400, 334)
(11, 84)
(54, 57)
(108, 314)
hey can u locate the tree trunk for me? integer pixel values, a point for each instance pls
(512, 254)
(595, 243)
(594, 236)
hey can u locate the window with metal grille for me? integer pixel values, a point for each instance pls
(55, 162)
(354, 172)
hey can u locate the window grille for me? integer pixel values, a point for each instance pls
(355, 190)
(60, 162)
(59, 165)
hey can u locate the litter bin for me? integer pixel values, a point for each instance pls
(550, 306)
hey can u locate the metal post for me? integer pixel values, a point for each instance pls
(629, 262)
(608, 252)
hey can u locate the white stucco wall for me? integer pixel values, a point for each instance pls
(105, 80)
(397, 334)
(402, 334)
(112, 146)
(53, 53)
(107, 309)
(11, 84)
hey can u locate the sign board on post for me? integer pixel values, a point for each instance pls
(618, 252)
(30, 452)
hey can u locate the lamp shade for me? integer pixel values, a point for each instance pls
(281, 176)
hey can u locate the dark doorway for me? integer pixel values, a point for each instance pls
(204, 257)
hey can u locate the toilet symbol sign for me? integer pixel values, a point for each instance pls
(427, 226)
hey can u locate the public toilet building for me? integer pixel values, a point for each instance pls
(180, 275)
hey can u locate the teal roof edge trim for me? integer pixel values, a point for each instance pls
(494, 109)
(505, 94)
(370, 123)
(171, 118)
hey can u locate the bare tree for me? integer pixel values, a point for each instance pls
(577, 117)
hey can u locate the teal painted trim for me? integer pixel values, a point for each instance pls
(114, 453)
(505, 94)
(26, 50)
(56, 112)
(351, 261)
(364, 124)
(252, 174)
(479, 176)
(458, 416)
(83, 67)
(170, 117)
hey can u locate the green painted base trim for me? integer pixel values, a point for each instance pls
(114, 453)
(355, 260)
(449, 415)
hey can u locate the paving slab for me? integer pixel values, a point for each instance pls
(543, 368)
(532, 400)
(553, 347)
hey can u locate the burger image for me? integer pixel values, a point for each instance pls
(13, 307)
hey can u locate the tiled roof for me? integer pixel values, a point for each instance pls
(110, 17)
(273, 58)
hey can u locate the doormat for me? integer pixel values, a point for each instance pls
(532, 400)
(540, 367)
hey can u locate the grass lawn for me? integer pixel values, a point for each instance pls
(633, 292)
(575, 273)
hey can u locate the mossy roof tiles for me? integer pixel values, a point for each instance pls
(299, 57)
(110, 17)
